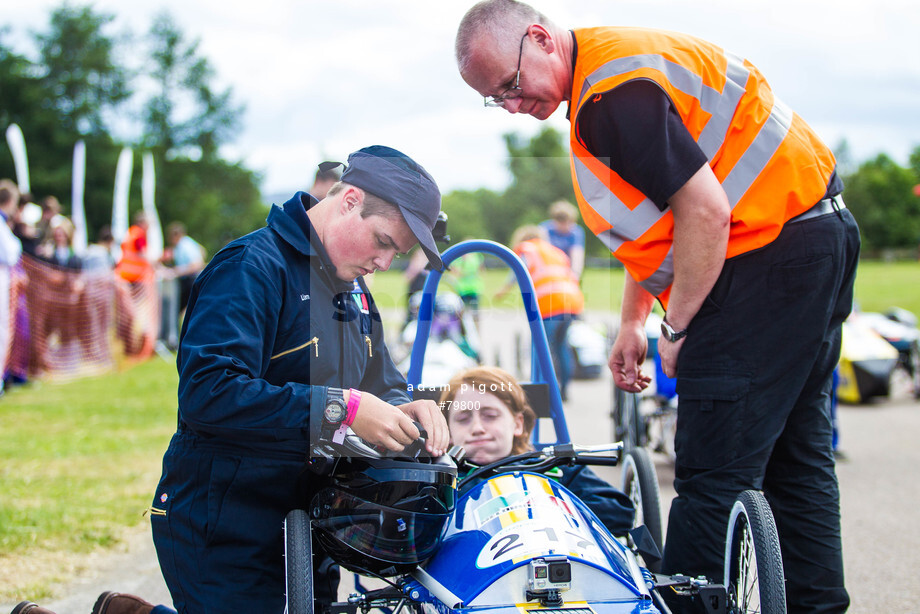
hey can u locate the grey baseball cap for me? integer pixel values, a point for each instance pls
(396, 178)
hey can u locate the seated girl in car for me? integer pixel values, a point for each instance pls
(489, 416)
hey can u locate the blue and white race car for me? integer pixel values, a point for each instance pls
(507, 538)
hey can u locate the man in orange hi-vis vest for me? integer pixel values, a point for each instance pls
(134, 265)
(724, 206)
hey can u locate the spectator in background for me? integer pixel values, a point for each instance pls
(98, 263)
(100, 256)
(51, 213)
(10, 251)
(136, 314)
(565, 233)
(187, 257)
(58, 295)
(26, 215)
(134, 265)
(58, 249)
(24, 223)
(468, 282)
(324, 179)
(558, 296)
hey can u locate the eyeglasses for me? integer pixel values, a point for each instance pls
(512, 92)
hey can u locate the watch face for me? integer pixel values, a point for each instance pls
(666, 331)
(335, 411)
(670, 334)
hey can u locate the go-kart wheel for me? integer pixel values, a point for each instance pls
(298, 564)
(640, 483)
(628, 426)
(753, 561)
(914, 367)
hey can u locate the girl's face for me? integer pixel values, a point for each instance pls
(482, 425)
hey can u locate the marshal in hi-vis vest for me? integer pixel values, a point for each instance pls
(133, 265)
(770, 163)
(554, 282)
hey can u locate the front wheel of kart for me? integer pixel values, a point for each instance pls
(640, 483)
(298, 564)
(753, 561)
(627, 420)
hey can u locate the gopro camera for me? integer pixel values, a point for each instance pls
(550, 573)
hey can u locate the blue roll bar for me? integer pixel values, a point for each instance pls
(541, 364)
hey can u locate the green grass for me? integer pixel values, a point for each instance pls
(78, 466)
(880, 285)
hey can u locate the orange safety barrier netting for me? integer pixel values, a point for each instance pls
(68, 323)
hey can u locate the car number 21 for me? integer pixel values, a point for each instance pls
(526, 539)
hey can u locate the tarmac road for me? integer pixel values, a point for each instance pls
(880, 496)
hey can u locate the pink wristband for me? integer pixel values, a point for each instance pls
(354, 400)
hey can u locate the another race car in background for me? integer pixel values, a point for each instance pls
(453, 339)
(867, 361)
(899, 328)
(590, 348)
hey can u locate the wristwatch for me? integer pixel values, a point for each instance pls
(335, 410)
(668, 332)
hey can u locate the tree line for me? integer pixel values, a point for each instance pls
(83, 86)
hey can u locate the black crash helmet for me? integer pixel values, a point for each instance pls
(384, 515)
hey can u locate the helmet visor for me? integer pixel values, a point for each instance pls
(381, 532)
(423, 491)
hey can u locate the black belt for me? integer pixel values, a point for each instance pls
(824, 206)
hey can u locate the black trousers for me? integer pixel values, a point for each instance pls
(754, 383)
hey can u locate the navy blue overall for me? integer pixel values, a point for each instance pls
(268, 328)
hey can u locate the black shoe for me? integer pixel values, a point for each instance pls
(27, 607)
(121, 603)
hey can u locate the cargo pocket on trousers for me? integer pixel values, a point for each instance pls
(223, 472)
(709, 417)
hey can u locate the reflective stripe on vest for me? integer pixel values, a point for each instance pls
(771, 165)
(554, 282)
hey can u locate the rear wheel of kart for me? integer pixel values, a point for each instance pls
(914, 369)
(298, 568)
(753, 561)
(640, 483)
(628, 425)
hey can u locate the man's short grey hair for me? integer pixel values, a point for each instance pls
(500, 23)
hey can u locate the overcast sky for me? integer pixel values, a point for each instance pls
(322, 79)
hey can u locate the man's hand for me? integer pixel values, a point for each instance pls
(379, 423)
(429, 415)
(668, 350)
(626, 358)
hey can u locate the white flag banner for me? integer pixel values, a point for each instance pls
(17, 145)
(77, 213)
(120, 199)
(148, 195)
